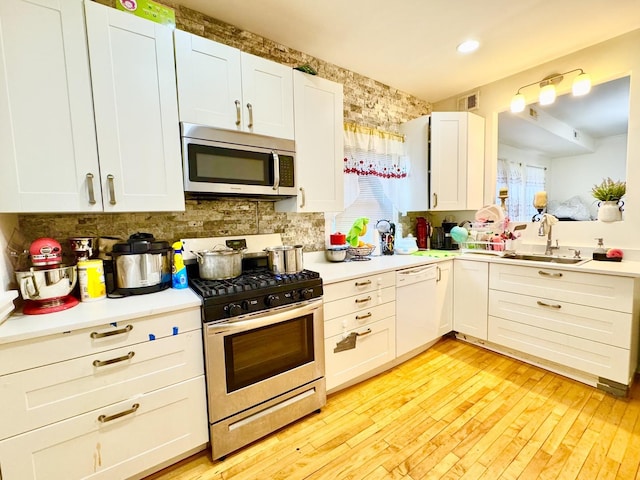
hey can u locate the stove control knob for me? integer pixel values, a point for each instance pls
(245, 305)
(295, 295)
(233, 309)
(307, 293)
(273, 301)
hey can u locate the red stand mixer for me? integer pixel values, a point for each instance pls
(47, 284)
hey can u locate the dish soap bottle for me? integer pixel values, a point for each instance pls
(599, 252)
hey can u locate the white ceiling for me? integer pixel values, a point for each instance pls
(411, 44)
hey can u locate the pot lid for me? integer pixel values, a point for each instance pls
(141, 243)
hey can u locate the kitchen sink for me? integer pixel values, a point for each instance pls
(545, 258)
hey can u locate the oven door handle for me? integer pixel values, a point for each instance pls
(262, 319)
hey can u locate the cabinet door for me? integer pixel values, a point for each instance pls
(456, 161)
(118, 441)
(136, 111)
(470, 297)
(318, 106)
(267, 97)
(47, 133)
(209, 82)
(444, 297)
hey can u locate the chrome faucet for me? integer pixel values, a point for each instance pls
(541, 232)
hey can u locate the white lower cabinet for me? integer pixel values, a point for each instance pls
(585, 323)
(444, 297)
(470, 292)
(107, 402)
(360, 327)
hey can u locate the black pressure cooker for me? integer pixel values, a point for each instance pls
(139, 265)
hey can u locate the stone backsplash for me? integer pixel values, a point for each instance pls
(366, 102)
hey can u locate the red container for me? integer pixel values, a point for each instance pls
(337, 238)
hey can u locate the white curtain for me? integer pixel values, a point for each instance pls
(510, 177)
(372, 152)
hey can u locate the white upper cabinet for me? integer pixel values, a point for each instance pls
(456, 161)
(319, 145)
(136, 111)
(49, 155)
(47, 131)
(220, 86)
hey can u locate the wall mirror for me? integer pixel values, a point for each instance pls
(564, 148)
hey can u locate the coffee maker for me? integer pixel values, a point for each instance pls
(449, 243)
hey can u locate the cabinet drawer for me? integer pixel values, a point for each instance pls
(603, 291)
(167, 423)
(25, 354)
(358, 303)
(604, 326)
(597, 359)
(373, 349)
(41, 396)
(335, 291)
(339, 325)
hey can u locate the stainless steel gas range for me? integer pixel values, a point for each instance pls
(263, 344)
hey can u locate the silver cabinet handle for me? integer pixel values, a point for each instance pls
(237, 112)
(439, 270)
(112, 190)
(547, 274)
(435, 200)
(303, 201)
(110, 333)
(276, 169)
(108, 418)
(363, 300)
(92, 194)
(362, 317)
(250, 108)
(102, 363)
(549, 305)
(366, 332)
(362, 284)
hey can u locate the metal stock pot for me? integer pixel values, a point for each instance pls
(219, 263)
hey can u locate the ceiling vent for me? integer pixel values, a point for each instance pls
(469, 102)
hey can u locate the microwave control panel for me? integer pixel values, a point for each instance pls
(286, 171)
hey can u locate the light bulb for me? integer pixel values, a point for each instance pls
(518, 103)
(581, 85)
(547, 95)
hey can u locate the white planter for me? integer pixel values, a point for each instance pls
(610, 211)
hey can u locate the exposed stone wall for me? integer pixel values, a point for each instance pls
(366, 102)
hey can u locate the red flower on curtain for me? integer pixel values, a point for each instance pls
(380, 168)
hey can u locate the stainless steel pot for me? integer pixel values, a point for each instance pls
(219, 263)
(39, 283)
(285, 258)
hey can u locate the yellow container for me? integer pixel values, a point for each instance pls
(91, 280)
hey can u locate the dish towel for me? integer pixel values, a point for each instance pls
(547, 222)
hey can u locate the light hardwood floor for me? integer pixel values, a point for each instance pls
(454, 412)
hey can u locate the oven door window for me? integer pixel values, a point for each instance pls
(256, 355)
(226, 165)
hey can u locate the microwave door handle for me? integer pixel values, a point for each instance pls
(276, 170)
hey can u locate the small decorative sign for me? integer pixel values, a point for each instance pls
(150, 10)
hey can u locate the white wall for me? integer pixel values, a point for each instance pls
(604, 61)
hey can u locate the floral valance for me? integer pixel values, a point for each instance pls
(369, 151)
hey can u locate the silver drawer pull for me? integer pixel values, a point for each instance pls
(362, 317)
(92, 195)
(362, 284)
(108, 418)
(112, 189)
(102, 363)
(126, 329)
(547, 274)
(363, 300)
(549, 305)
(366, 332)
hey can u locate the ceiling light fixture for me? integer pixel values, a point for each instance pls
(468, 46)
(547, 95)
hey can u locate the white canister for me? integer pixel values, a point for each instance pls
(91, 280)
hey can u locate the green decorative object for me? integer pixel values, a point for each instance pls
(150, 10)
(609, 190)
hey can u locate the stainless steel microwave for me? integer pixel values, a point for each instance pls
(224, 162)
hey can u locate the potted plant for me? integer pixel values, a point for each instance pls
(610, 194)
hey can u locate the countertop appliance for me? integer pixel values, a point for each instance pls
(139, 265)
(223, 162)
(263, 343)
(449, 243)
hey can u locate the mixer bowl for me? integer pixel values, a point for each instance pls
(46, 283)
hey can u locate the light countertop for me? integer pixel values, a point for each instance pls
(89, 314)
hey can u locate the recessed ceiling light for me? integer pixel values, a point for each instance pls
(468, 46)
